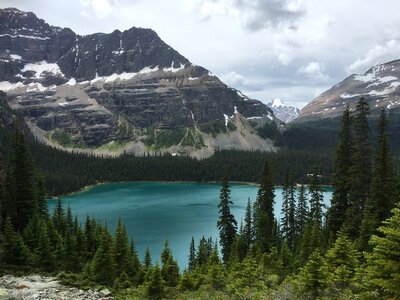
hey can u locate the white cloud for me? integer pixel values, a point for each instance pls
(102, 8)
(232, 78)
(252, 14)
(313, 70)
(378, 54)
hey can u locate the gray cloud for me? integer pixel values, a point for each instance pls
(260, 14)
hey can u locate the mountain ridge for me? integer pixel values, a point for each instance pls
(120, 92)
(379, 85)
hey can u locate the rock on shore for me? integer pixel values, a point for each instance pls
(40, 287)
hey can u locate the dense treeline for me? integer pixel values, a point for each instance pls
(66, 172)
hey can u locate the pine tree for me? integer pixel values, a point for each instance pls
(40, 196)
(59, 219)
(192, 256)
(13, 251)
(44, 251)
(147, 259)
(120, 248)
(20, 180)
(314, 276)
(102, 266)
(169, 269)
(360, 172)
(383, 268)
(302, 213)
(288, 213)
(156, 284)
(264, 220)
(134, 267)
(341, 176)
(248, 229)
(202, 253)
(384, 185)
(316, 205)
(342, 261)
(226, 224)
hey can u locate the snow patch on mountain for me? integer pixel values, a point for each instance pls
(282, 111)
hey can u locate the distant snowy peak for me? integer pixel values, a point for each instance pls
(380, 86)
(282, 111)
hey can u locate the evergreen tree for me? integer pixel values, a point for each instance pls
(120, 248)
(248, 230)
(341, 176)
(226, 224)
(134, 268)
(170, 269)
(316, 205)
(40, 197)
(288, 213)
(156, 284)
(383, 268)
(147, 259)
(342, 261)
(20, 181)
(360, 171)
(192, 256)
(102, 266)
(59, 219)
(12, 248)
(44, 251)
(301, 214)
(263, 211)
(314, 276)
(384, 185)
(202, 252)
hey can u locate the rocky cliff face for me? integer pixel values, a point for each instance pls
(380, 86)
(282, 111)
(123, 91)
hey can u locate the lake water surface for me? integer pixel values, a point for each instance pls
(154, 211)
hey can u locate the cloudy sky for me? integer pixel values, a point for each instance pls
(289, 49)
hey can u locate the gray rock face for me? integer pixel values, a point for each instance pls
(88, 91)
(380, 86)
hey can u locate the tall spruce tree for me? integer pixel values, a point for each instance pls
(384, 185)
(316, 205)
(20, 182)
(383, 267)
(360, 171)
(342, 176)
(13, 251)
(102, 266)
(192, 256)
(342, 261)
(121, 249)
(302, 213)
(226, 224)
(264, 220)
(248, 229)
(288, 213)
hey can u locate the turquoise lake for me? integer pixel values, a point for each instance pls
(155, 211)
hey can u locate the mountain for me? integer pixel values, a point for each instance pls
(282, 111)
(380, 86)
(120, 92)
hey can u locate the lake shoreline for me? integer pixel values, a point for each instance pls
(92, 186)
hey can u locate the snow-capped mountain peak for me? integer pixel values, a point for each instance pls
(276, 102)
(282, 111)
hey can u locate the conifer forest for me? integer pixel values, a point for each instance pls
(347, 250)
